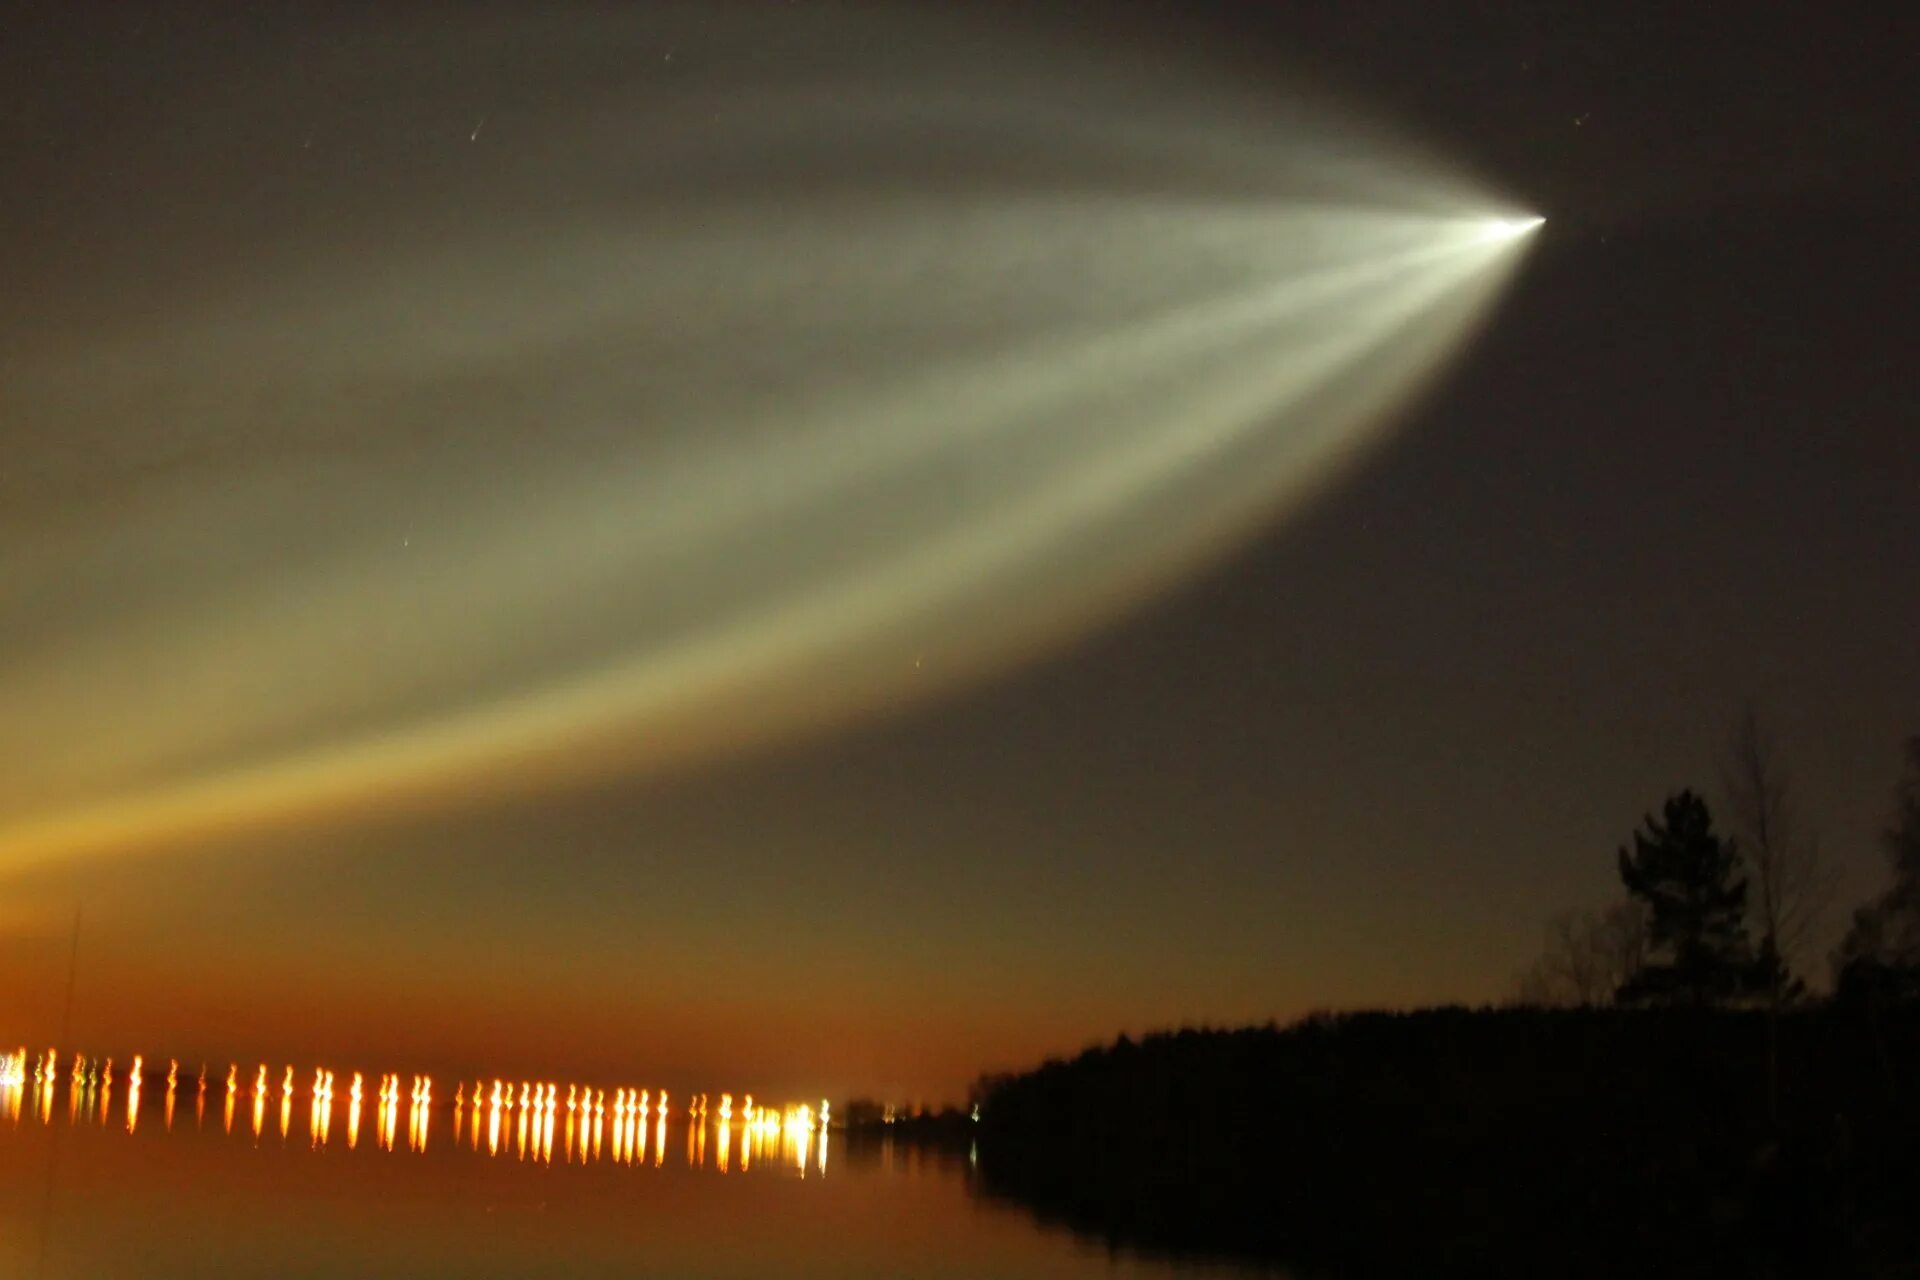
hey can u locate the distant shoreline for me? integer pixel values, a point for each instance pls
(1453, 1141)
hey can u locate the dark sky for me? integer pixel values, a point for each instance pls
(1358, 760)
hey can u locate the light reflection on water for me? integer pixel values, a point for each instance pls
(459, 1198)
(630, 1128)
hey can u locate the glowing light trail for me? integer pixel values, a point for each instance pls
(689, 475)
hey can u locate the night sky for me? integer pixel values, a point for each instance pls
(1356, 759)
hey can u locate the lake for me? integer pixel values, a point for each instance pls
(281, 1186)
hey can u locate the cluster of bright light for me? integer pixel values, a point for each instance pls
(627, 1125)
(517, 1115)
(13, 1069)
(89, 1073)
(320, 1112)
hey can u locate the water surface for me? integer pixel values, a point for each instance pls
(89, 1189)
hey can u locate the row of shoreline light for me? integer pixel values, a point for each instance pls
(521, 1120)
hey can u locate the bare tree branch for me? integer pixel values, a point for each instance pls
(1587, 957)
(1793, 880)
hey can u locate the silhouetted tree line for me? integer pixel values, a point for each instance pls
(1880, 955)
(1682, 935)
(1697, 1113)
(1563, 1142)
(866, 1117)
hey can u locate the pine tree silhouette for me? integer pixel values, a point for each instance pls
(1696, 902)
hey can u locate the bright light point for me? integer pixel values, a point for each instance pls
(1499, 230)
